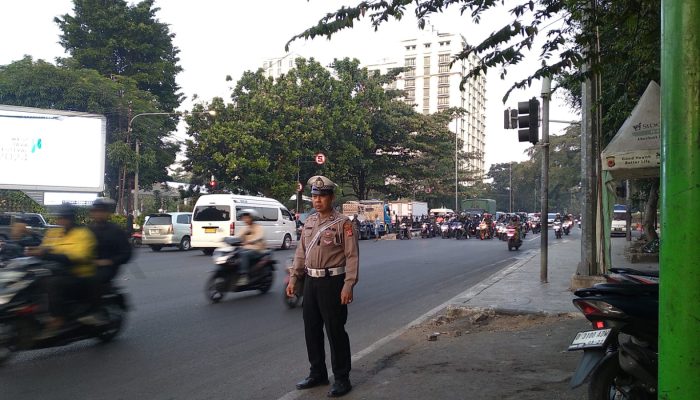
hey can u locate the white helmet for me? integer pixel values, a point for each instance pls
(248, 211)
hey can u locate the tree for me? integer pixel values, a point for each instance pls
(115, 38)
(272, 129)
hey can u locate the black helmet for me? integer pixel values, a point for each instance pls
(67, 211)
(104, 204)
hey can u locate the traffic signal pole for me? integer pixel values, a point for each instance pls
(544, 189)
(679, 298)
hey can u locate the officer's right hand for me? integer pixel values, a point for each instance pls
(290, 289)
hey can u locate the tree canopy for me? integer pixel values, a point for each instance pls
(375, 143)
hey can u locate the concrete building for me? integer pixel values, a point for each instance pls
(276, 67)
(432, 85)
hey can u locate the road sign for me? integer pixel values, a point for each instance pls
(320, 158)
(300, 187)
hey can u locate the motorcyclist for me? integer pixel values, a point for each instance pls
(557, 218)
(23, 236)
(113, 249)
(515, 222)
(253, 238)
(73, 247)
(488, 219)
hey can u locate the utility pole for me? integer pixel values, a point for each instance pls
(136, 182)
(456, 161)
(544, 189)
(679, 295)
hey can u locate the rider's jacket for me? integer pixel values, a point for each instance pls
(75, 248)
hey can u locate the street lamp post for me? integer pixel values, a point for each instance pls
(137, 148)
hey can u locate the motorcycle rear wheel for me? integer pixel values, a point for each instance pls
(214, 289)
(604, 381)
(115, 316)
(6, 349)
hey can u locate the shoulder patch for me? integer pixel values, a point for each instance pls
(347, 227)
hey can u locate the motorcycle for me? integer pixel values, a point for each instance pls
(135, 239)
(557, 229)
(225, 278)
(404, 232)
(9, 251)
(427, 230)
(472, 229)
(620, 354)
(445, 230)
(536, 227)
(458, 230)
(24, 311)
(566, 227)
(629, 275)
(501, 231)
(514, 241)
(485, 231)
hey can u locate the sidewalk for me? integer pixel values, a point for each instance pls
(504, 338)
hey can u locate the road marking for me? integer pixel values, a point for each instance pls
(460, 298)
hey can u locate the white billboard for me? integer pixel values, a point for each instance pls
(51, 150)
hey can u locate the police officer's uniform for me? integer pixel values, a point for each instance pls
(328, 255)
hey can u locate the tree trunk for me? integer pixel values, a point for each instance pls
(650, 211)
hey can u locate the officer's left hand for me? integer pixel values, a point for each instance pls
(346, 296)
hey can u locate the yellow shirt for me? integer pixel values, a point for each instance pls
(78, 244)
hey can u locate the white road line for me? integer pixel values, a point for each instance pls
(460, 298)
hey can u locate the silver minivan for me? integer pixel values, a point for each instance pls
(168, 230)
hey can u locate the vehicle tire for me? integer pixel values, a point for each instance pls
(602, 385)
(156, 247)
(266, 284)
(116, 316)
(214, 289)
(509, 247)
(286, 242)
(185, 244)
(208, 251)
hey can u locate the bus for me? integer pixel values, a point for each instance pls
(619, 220)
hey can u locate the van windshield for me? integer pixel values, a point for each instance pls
(212, 213)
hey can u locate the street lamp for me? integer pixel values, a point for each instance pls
(129, 130)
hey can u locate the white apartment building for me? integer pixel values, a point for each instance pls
(276, 67)
(432, 85)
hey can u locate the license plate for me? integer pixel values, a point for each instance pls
(618, 229)
(590, 339)
(209, 230)
(154, 231)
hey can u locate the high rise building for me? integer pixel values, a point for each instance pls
(432, 84)
(276, 67)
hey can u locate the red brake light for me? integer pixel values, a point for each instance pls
(232, 230)
(597, 308)
(599, 324)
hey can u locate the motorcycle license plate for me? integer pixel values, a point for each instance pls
(590, 339)
(209, 230)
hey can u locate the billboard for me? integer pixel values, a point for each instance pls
(51, 150)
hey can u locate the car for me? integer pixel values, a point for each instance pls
(170, 229)
(301, 220)
(550, 218)
(35, 222)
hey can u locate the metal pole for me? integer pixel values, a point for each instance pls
(679, 296)
(628, 214)
(544, 199)
(510, 186)
(136, 182)
(456, 183)
(298, 182)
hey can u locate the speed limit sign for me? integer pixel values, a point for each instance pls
(320, 158)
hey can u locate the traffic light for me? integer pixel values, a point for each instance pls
(510, 119)
(529, 121)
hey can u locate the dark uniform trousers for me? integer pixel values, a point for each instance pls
(322, 308)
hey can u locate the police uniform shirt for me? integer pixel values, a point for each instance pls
(336, 246)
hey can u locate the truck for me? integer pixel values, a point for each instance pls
(367, 211)
(479, 206)
(408, 208)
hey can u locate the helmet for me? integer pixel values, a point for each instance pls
(104, 204)
(248, 211)
(67, 211)
(515, 218)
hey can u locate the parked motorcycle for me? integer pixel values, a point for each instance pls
(620, 355)
(629, 275)
(24, 311)
(225, 278)
(514, 241)
(557, 229)
(135, 239)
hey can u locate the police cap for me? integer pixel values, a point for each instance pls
(320, 185)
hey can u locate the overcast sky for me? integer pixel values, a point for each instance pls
(221, 37)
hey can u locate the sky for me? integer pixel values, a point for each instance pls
(217, 38)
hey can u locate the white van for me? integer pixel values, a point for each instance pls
(216, 216)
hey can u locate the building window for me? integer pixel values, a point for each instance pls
(410, 62)
(443, 101)
(427, 45)
(444, 90)
(426, 102)
(410, 73)
(444, 80)
(410, 82)
(411, 93)
(426, 83)
(291, 63)
(444, 68)
(426, 92)
(444, 58)
(426, 111)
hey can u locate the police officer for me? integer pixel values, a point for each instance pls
(328, 254)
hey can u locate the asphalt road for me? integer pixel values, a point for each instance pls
(178, 346)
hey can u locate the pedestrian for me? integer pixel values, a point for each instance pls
(329, 255)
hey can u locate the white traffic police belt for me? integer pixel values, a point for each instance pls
(323, 272)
